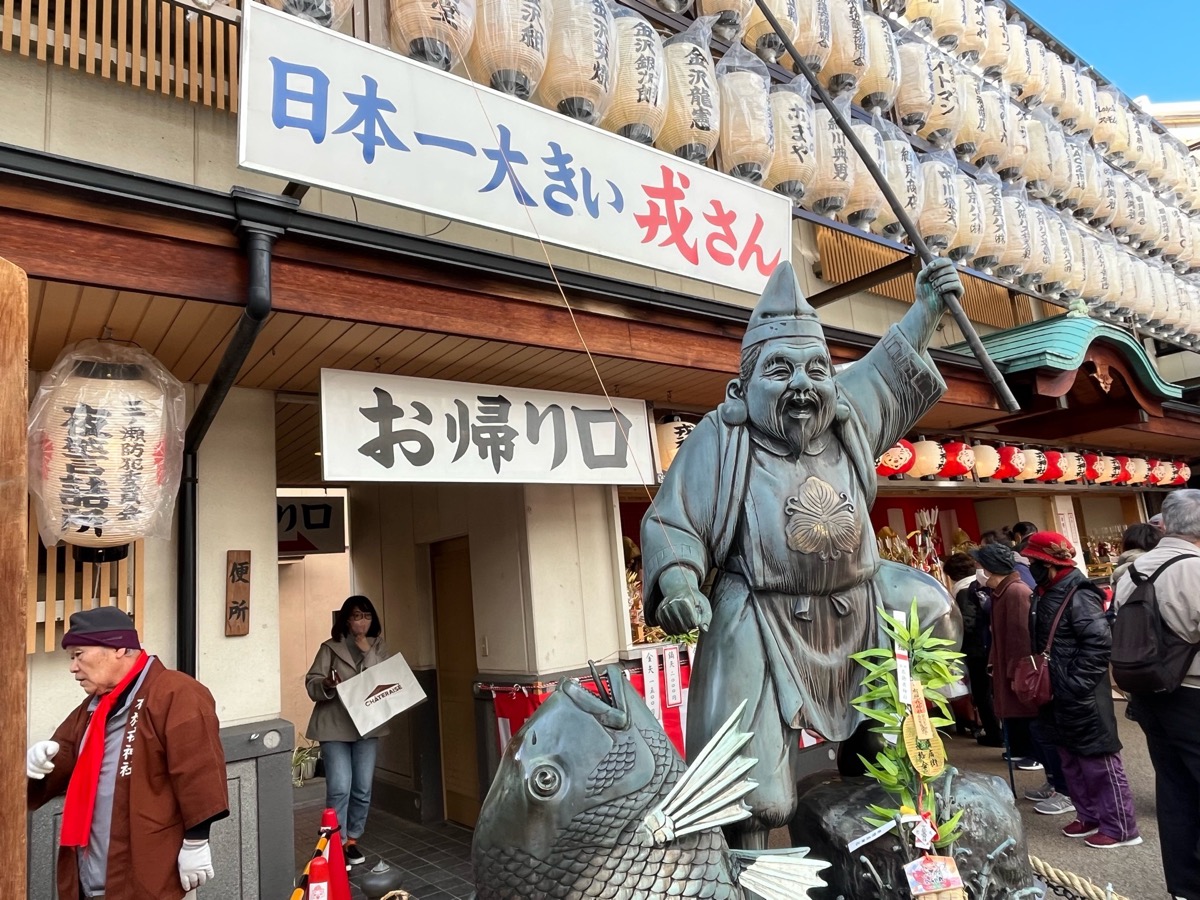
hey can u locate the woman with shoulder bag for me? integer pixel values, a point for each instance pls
(355, 644)
(1068, 616)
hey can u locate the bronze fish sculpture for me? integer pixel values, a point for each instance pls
(591, 800)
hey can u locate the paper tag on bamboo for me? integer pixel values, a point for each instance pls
(903, 671)
(935, 876)
(922, 743)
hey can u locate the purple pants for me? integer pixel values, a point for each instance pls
(1100, 793)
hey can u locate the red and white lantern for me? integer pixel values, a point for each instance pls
(1139, 470)
(1074, 468)
(1012, 463)
(987, 461)
(1122, 473)
(1054, 470)
(960, 460)
(1035, 465)
(896, 460)
(1162, 472)
(1183, 473)
(931, 456)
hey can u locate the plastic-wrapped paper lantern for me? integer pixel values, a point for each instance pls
(995, 54)
(1035, 465)
(639, 103)
(1018, 257)
(1074, 467)
(835, 176)
(1014, 154)
(1107, 134)
(1017, 71)
(581, 65)
(814, 43)
(794, 163)
(971, 221)
(944, 120)
(1035, 76)
(1056, 84)
(993, 143)
(975, 39)
(880, 84)
(850, 56)
(105, 449)
(1012, 463)
(1121, 472)
(1183, 473)
(987, 461)
(960, 460)
(760, 38)
(865, 200)
(930, 458)
(946, 18)
(916, 97)
(903, 172)
(747, 137)
(995, 228)
(437, 33)
(1054, 468)
(897, 460)
(1139, 470)
(326, 13)
(693, 110)
(730, 15)
(974, 124)
(938, 223)
(671, 436)
(509, 50)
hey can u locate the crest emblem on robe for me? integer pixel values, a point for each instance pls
(821, 521)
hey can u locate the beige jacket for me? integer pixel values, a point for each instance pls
(329, 720)
(1177, 590)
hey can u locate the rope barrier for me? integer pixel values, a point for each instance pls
(1088, 890)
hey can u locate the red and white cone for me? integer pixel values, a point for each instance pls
(339, 881)
(318, 879)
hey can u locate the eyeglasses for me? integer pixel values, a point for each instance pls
(361, 615)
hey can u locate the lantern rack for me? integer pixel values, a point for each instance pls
(57, 585)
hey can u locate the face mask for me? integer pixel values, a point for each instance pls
(981, 576)
(1040, 571)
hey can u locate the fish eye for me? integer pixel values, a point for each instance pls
(545, 781)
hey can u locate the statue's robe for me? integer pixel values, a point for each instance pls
(798, 575)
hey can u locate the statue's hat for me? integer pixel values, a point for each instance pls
(782, 311)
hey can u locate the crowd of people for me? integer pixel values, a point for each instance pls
(1022, 595)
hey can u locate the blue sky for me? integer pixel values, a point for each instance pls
(1143, 46)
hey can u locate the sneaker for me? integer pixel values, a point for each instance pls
(1045, 792)
(354, 856)
(1078, 830)
(1054, 805)
(1029, 765)
(1104, 842)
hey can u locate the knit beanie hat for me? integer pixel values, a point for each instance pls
(105, 626)
(995, 558)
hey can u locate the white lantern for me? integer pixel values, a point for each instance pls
(987, 460)
(1074, 467)
(930, 458)
(671, 436)
(1035, 465)
(106, 448)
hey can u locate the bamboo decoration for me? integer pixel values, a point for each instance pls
(730, 16)
(865, 199)
(814, 42)
(580, 67)
(693, 108)
(971, 223)
(973, 128)
(993, 142)
(849, 58)
(881, 82)
(946, 118)
(975, 38)
(437, 35)
(916, 98)
(1014, 156)
(760, 38)
(938, 222)
(1038, 171)
(831, 189)
(995, 230)
(746, 141)
(995, 55)
(639, 104)
(793, 165)
(947, 19)
(509, 50)
(904, 175)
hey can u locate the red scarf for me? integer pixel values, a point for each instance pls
(85, 778)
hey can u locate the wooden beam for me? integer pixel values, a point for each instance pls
(1062, 424)
(904, 266)
(14, 523)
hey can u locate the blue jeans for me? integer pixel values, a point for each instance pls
(349, 771)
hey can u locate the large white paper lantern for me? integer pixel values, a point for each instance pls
(794, 164)
(1035, 465)
(930, 458)
(438, 34)
(105, 448)
(671, 435)
(639, 102)
(509, 50)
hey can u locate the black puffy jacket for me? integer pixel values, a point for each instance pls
(1080, 718)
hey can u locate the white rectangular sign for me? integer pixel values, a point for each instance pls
(673, 676)
(311, 524)
(650, 682)
(396, 428)
(324, 109)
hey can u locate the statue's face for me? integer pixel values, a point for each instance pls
(791, 395)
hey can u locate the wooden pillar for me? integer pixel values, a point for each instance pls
(14, 370)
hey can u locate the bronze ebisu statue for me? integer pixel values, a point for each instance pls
(771, 495)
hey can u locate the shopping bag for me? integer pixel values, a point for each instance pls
(379, 693)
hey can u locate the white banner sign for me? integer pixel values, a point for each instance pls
(673, 676)
(324, 109)
(650, 682)
(396, 428)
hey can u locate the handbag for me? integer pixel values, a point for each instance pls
(1031, 681)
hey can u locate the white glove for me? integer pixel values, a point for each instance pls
(37, 760)
(195, 864)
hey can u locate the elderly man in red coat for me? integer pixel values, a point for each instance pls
(141, 764)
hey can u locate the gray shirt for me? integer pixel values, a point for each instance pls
(93, 862)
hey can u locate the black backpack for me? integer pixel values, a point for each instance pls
(1147, 656)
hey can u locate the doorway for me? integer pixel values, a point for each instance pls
(454, 616)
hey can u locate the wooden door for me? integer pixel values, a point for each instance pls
(454, 614)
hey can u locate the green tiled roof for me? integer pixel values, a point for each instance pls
(1061, 343)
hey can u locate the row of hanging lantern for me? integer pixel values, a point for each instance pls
(957, 460)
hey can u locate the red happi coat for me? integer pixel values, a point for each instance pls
(173, 780)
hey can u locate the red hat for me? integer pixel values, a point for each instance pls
(1050, 547)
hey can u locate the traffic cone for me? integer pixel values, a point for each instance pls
(318, 879)
(339, 881)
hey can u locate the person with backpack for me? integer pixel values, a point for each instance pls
(1068, 624)
(1155, 637)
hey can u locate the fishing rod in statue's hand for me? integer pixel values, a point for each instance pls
(951, 299)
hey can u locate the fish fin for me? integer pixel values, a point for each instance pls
(710, 792)
(778, 874)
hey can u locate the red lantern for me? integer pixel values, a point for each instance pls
(1054, 469)
(1123, 472)
(1012, 463)
(896, 460)
(1183, 472)
(960, 459)
(1089, 461)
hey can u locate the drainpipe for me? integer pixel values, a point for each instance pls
(261, 219)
